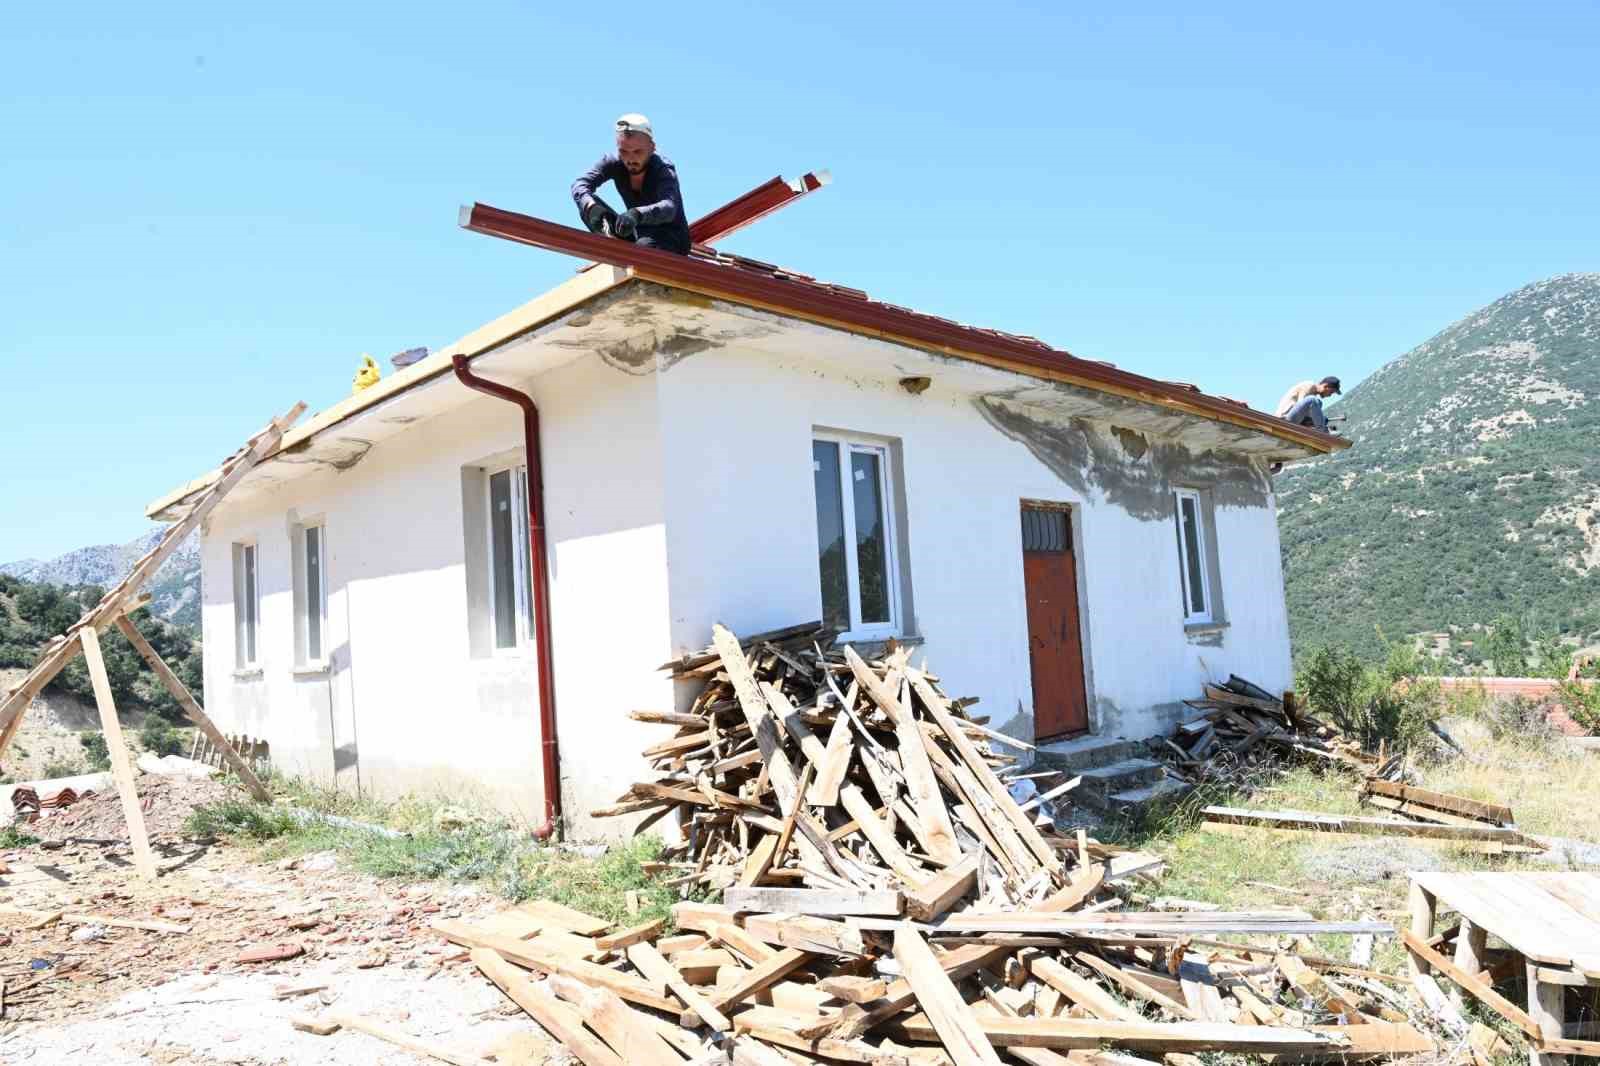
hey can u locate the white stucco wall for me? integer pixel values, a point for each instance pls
(741, 534)
(679, 492)
(404, 699)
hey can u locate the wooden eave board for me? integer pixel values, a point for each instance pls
(1549, 917)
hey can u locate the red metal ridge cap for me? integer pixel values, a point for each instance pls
(724, 278)
(754, 205)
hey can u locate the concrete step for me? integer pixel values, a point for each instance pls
(1084, 753)
(1135, 800)
(1101, 782)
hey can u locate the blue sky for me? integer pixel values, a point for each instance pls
(206, 215)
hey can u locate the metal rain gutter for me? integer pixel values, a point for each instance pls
(551, 760)
(755, 205)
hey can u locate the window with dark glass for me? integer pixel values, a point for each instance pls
(1192, 556)
(855, 535)
(510, 590)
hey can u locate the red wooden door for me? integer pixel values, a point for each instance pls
(1055, 645)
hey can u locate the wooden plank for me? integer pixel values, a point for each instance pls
(762, 975)
(763, 724)
(852, 1020)
(1067, 1033)
(942, 892)
(939, 708)
(1471, 983)
(636, 934)
(538, 957)
(1133, 985)
(920, 781)
(1497, 813)
(1333, 823)
(630, 1034)
(958, 1028)
(1080, 990)
(759, 861)
(1376, 1040)
(815, 901)
(740, 940)
(1319, 988)
(807, 933)
(564, 917)
(144, 860)
(879, 835)
(42, 918)
(542, 1006)
(835, 764)
(650, 962)
(1157, 923)
(192, 709)
(853, 989)
(1547, 1010)
(400, 1039)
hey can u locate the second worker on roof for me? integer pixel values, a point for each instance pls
(648, 184)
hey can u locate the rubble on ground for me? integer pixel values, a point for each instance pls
(886, 901)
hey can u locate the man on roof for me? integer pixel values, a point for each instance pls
(1302, 404)
(648, 184)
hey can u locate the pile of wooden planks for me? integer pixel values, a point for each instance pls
(799, 768)
(1241, 725)
(885, 901)
(790, 988)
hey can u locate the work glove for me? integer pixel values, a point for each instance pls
(597, 216)
(627, 225)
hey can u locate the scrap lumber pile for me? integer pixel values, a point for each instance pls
(1242, 727)
(799, 768)
(887, 902)
(787, 988)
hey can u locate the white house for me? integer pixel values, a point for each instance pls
(1078, 546)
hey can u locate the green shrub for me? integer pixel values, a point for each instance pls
(95, 750)
(1392, 705)
(157, 735)
(61, 768)
(12, 837)
(254, 821)
(1582, 704)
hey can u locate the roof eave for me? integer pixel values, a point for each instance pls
(855, 315)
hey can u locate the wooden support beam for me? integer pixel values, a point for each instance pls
(563, 1023)
(655, 967)
(957, 1027)
(817, 901)
(144, 860)
(191, 708)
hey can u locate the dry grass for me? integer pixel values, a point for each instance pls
(1340, 876)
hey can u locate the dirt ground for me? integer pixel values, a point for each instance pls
(49, 732)
(87, 991)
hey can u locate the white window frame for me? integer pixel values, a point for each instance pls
(1190, 616)
(308, 602)
(521, 555)
(849, 444)
(246, 605)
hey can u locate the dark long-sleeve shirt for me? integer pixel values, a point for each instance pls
(658, 200)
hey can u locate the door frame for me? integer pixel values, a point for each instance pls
(1080, 575)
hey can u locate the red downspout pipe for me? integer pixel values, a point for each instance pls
(541, 584)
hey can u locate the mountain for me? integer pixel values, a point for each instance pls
(174, 590)
(1472, 491)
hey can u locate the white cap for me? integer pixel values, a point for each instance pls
(633, 123)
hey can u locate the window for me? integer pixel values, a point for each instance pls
(510, 584)
(1192, 557)
(855, 536)
(310, 552)
(246, 605)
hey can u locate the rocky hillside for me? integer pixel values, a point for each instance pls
(1473, 489)
(175, 589)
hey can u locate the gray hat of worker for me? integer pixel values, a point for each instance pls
(632, 123)
(1331, 380)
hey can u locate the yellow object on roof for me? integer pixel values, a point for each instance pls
(368, 375)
